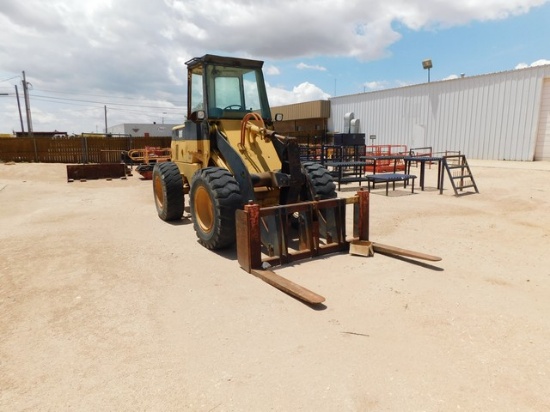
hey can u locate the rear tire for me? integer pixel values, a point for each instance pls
(319, 182)
(168, 191)
(214, 198)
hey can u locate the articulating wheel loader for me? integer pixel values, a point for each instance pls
(246, 183)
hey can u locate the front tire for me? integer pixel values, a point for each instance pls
(215, 197)
(168, 191)
(320, 186)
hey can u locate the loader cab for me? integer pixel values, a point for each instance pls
(225, 88)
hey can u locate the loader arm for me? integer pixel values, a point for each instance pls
(288, 152)
(237, 166)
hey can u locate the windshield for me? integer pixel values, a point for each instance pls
(235, 91)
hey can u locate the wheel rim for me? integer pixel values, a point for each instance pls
(159, 192)
(204, 210)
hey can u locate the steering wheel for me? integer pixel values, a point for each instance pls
(234, 107)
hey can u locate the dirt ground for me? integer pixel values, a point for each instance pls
(103, 306)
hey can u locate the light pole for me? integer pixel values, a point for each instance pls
(427, 65)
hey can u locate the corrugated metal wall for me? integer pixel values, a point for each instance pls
(492, 116)
(542, 150)
(143, 129)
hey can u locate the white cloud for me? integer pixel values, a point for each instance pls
(433, 13)
(304, 92)
(540, 62)
(272, 70)
(136, 49)
(303, 66)
(377, 85)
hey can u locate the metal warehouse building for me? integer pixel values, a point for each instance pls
(498, 116)
(142, 129)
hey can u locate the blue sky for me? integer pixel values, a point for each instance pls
(129, 55)
(473, 49)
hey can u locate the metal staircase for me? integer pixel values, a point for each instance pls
(459, 174)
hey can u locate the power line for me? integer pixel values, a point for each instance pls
(63, 99)
(72, 103)
(120, 108)
(11, 78)
(99, 95)
(80, 94)
(86, 94)
(114, 103)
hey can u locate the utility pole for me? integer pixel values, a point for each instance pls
(105, 120)
(27, 105)
(19, 108)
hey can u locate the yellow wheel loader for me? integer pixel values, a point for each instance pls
(246, 183)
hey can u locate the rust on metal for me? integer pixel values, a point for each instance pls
(392, 250)
(277, 235)
(288, 286)
(248, 237)
(361, 215)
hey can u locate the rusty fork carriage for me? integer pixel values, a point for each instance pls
(279, 235)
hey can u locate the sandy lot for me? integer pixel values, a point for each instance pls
(105, 307)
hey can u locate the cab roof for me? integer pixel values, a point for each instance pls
(224, 61)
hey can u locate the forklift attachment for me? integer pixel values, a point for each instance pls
(278, 235)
